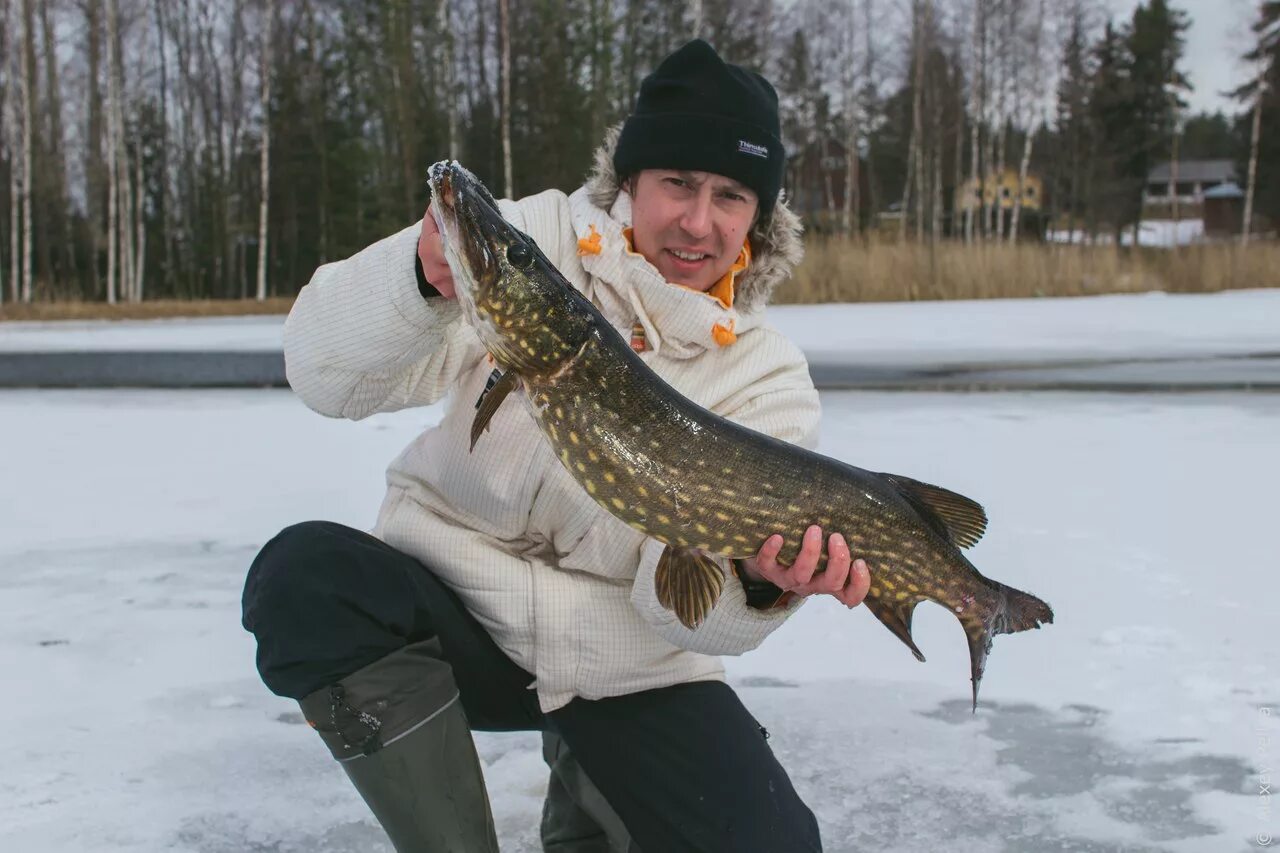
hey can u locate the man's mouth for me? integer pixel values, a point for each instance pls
(688, 260)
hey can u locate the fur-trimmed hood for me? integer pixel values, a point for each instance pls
(776, 243)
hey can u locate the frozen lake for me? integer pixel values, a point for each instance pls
(1138, 722)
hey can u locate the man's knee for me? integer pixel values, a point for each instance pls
(290, 567)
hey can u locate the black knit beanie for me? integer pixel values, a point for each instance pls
(698, 112)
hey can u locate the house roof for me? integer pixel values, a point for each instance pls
(1227, 190)
(1195, 170)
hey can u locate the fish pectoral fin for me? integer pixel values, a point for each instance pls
(896, 616)
(688, 583)
(508, 382)
(960, 519)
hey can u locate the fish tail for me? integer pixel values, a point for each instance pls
(1011, 610)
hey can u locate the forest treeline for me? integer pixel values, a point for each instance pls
(193, 149)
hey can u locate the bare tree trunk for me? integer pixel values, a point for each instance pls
(873, 190)
(139, 223)
(265, 162)
(166, 237)
(10, 129)
(57, 153)
(1032, 125)
(504, 16)
(1173, 186)
(695, 18)
(27, 78)
(917, 94)
(1254, 138)
(450, 76)
(113, 157)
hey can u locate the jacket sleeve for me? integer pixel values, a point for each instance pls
(783, 404)
(362, 339)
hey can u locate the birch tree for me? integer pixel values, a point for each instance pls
(27, 91)
(504, 23)
(1036, 63)
(264, 163)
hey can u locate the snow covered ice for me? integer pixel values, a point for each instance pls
(1137, 722)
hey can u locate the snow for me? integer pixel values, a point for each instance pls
(1159, 233)
(1143, 719)
(1153, 325)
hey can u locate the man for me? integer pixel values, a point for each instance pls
(494, 593)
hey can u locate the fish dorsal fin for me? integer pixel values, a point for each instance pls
(490, 402)
(960, 519)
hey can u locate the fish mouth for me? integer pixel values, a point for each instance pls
(472, 228)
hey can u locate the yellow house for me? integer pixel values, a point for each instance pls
(1005, 187)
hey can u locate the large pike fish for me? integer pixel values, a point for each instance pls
(686, 476)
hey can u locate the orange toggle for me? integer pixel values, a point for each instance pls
(590, 245)
(723, 333)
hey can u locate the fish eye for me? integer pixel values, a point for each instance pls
(520, 255)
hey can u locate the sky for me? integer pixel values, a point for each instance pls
(1219, 30)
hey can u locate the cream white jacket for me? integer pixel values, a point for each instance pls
(564, 588)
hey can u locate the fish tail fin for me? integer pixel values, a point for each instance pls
(688, 582)
(1011, 610)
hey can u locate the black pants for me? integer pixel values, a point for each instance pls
(686, 767)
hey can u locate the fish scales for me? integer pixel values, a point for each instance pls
(698, 482)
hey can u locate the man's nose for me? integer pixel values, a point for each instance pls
(696, 220)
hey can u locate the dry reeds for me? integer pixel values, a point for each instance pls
(143, 310)
(881, 270)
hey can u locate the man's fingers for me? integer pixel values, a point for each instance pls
(807, 561)
(833, 578)
(858, 584)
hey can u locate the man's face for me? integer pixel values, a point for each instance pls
(690, 225)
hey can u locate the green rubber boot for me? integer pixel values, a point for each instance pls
(399, 731)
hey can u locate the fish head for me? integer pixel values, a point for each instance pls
(521, 306)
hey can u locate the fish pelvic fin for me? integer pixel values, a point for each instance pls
(490, 402)
(688, 583)
(1011, 610)
(959, 519)
(896, 616)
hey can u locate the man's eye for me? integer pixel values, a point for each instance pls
(519, 255)
(677, 182)
(735, 197)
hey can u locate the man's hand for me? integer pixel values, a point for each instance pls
(431, 253)
(846, 579)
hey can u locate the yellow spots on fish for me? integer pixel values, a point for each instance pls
(534, 317)
(702, 528)
(755, 499)
(618, 504)
(703, 487)
(555, 434)
(643, 492)
(640, 511)
(655, 444)
(701, 463)
(592, 455)
(794, 508)
(874, 592)
(631, 470)
(726, 470)
(738, 537)
(559, 413)
(902, 596)
(573, 437)
(564, 456)
(880, 525)
(609, 478)
(887, 585)
(582, 469)
(664, 519)
(722, 516)
(913, 587)
(591, 486)
(729, 493)
(683, 542)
